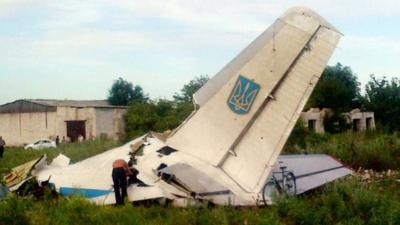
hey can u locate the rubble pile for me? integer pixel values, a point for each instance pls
(367, 176)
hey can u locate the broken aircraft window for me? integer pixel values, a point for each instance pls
(166, 150)
(161, 166)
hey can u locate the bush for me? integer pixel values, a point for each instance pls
(368, 149)
(349, 202)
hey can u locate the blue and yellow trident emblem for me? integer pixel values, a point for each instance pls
(243, 95)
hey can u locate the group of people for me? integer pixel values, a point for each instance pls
(64, 139)
(57, 140)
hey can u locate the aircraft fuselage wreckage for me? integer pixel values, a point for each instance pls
(227, 151)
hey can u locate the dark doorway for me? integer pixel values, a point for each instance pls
(75, 128)
(312, 125)
(356, 124)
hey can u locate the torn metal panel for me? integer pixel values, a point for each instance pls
(136, 146)
(60, 161)
(161, 136)
(197, 181)
(91, 177)
(22, 173)
(91, 173)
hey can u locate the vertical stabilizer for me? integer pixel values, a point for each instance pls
(249, 108)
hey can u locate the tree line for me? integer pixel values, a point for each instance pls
(145, 114)
(338, 89)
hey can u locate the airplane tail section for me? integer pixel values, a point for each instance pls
(247, 111)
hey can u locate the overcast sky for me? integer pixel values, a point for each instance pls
(75, 49)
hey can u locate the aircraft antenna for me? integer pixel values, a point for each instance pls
(273, 38)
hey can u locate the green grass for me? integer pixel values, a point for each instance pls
(14, 156)
(369, 149)
(348, 201)
(345, 202)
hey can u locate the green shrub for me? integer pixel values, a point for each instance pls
(368, 149)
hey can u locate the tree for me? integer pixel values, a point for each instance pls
(184, 100)
(123, 92)
(383, 98)
(337, 89)
(167, 118)
(142, 117)
(162, 114)
(186, 95)
(335, 122)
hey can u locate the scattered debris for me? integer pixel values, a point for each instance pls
(368, 176)
(20, 174)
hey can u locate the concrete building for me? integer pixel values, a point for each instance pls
(24, 121)
(313, 119)
(360, 120)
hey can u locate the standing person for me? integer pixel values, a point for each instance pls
(57, 140)
(80, 138)
(119, 173)
(2, 144)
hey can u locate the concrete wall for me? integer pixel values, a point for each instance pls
(316, 115)
(22, 128)
(361, 120)
(110, 121)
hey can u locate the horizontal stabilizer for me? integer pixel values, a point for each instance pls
(311, 171)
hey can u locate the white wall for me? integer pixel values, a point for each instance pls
(22, 128)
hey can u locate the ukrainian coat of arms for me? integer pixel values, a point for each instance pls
(243, 95)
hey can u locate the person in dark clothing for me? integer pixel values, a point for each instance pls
(57, 140)
(2, 144)
(132, 178)
(119, 173)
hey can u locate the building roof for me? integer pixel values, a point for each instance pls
(50, 105)
(74, 103)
